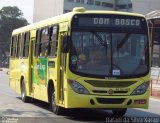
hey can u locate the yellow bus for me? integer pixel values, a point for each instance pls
(83, 59)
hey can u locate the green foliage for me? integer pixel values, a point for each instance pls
(10, 19)
(11, 12)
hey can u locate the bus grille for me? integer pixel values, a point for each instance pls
(105, 92)
(110, 100)
(110, 84)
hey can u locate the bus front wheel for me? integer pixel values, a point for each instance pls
(119, 112)
(53, 106)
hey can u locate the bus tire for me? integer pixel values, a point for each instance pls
(53, 106)
(119, 112)
(23, 93)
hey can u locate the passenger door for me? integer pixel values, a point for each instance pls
(62, 70)
(35, 61)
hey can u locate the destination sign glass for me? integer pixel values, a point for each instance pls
(110, 21)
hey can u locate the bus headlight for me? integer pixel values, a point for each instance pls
(141, 89)
(77, 87)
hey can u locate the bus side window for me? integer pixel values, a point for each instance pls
(44, 41)
(18, 46)
(26, 44)
(37, 44)
(53, 43)
(13, 46)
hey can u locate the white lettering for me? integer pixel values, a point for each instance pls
(128, 22)
(137, 22)
(95, 20)
(106, 21)
(40, 67)
(117, 22)
(101, 21)
(133, 22)
(122, 21)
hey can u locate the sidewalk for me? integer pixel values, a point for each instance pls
(155, 82)
(155, 90)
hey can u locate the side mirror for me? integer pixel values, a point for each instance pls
(65, 44)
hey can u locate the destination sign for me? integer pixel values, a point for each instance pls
(110, 21)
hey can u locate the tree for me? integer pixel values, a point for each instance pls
(10, 19)
(11, 12)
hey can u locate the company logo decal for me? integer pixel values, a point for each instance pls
(40, 70)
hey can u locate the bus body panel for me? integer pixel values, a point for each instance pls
(14, 78)
(16, 72)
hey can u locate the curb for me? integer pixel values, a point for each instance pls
(154, 98)
(5, 70)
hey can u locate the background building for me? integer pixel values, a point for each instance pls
(48, 8)
(154, 24)
(151, 8)
(145, 6)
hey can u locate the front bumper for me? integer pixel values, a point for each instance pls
(75, 100)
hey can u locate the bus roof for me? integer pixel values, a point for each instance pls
(67, 17)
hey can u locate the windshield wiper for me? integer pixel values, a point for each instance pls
(122, 42)
(102, 42)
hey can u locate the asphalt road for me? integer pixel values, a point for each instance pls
(13, 110)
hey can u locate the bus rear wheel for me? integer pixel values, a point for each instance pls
(119, 112)
(23, 93)
(53, 106)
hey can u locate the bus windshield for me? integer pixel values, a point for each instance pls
(109, 54)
